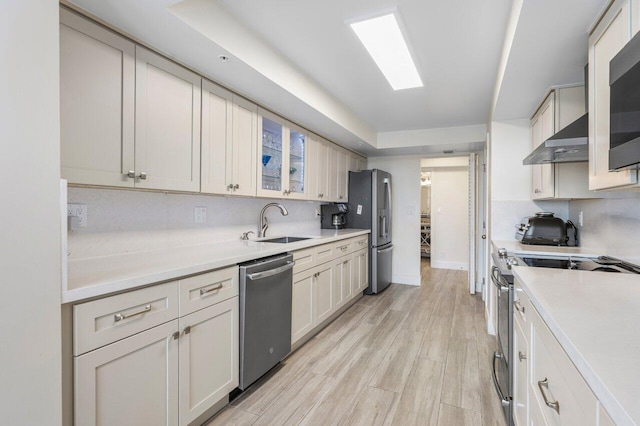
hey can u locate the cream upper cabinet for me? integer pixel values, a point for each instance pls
(167, 147)
(97, 95)
(229, 139)
(342, 170)
(332, 173)
(317, 166)
(609, 37)
(560, 108)
(272, 159)
(542, 128)
(297, 172)
(209, 357)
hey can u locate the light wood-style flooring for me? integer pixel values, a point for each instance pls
(409, 356)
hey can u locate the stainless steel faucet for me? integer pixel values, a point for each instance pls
(263, 220)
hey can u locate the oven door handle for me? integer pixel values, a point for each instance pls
(503, 401)
(495, 278)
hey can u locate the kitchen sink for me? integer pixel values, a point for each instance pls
(285, 240)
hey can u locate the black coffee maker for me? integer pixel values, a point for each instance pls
(333, 216)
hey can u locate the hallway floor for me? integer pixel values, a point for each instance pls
(409, 356)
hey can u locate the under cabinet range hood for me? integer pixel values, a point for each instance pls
(569, 145)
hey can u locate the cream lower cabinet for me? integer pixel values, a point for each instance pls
(548, 388)
(342, 278)
(161, 355)
(326, 279)
(132, 381)
(208, 358)
(614, 30)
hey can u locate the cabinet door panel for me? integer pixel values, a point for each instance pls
(302, 309)
(547, 118)
(298, 158)
(133, 381)
(332, 174)
(208, 358)
(167, 124)
(272, 155)
(97, 77)
(323, 172)
(341, 177)
(613, 32)
(217, 154)
(245, 150)
(520, 386)
(323, 305)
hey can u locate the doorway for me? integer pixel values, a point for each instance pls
(425, 214)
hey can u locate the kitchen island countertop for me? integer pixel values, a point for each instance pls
(594, 316)
(99, 276)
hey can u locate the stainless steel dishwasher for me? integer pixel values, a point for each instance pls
(265, 315)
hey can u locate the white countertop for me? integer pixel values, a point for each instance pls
(596, 318)
(517, 247)
(99, 276)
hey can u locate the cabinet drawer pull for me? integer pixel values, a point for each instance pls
(131, 174)
(522, 356)
(209, 290)
(143, 176)
(518, 306)
(120, 317)
(236, 186)
(230, 187)
(542, 384)
(176, 335)
(187, 329)
(343, 248)
(345, 262)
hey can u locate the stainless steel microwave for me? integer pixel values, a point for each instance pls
(624, 81)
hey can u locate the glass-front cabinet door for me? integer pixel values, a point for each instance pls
(283, 158)
(297, 170)
(271, 155)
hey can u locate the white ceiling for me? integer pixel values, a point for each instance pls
(301, 60)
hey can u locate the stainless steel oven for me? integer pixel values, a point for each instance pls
(503, 357)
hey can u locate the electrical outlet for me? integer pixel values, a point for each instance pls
(581, 219)
(200, 215)
(78, 211)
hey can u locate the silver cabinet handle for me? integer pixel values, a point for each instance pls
(176, 335)
(230, 187)
(187, 330)
(345, 262)
(120, 317)
(518, 306)
(316, 275)
(320, 195)
(343, 248)
(271, 272)
(143, 176)
(522, 356)
(209, 290)
(131, 174)
(340, 197)
(544, 384)
(236, 186)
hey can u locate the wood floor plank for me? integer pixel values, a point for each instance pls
(397, 364)
(344, 323)
(233, 416)
(338, 403)
(491, 410)
(381, 337)
(372, 408)
(295, 402)
(461, 387)
(420, 399)
(450, 415)
(337, 354)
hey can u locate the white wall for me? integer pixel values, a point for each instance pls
(511, 181)
(30, 359)
(406, 215)
(450, 218)
(122, 221)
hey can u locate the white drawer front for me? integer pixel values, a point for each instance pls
(107, 320)
(325, 253)
(342, 248)
(360, 242)
(305, 259)
(208, 289)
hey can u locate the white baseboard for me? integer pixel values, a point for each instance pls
(406, 279)
(440, 264)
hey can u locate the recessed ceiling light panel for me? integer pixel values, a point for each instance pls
(385, 43)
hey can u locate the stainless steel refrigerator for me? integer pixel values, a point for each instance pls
(370, 208)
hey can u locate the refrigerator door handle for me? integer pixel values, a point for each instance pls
(387, 182)
(385, 250)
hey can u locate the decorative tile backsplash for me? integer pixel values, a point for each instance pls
(121, 221)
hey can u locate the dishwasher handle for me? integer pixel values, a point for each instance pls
(271, 272)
